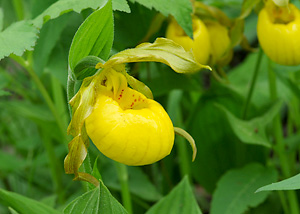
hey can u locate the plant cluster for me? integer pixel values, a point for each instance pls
(110, 91)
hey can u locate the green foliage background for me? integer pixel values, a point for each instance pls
(236, 154)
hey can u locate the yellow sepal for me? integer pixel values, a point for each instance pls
(162, 50)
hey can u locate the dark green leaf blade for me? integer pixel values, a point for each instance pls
(94, 37)
(96, 201)
(48, 37)
(86, 67)
(236, 189)
(180, 9)
(216, 142)
(291, 183)
(180, 200)
(254, 130)
(17, 38)
(24, 205)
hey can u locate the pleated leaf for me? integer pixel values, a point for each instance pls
(96, 201)
(292, 183)
(94, 37)
(24, 205)
(254, 130)
(235, 191)
(180, 200)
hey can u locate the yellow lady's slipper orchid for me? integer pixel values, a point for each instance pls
(124, 123)
(200, 43)
(219, 40)
(128, 127)
(278, 31)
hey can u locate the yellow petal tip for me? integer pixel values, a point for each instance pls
(99, 65)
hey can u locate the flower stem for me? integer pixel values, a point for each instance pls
(70, 89)
(279, 144)
(59, 100)
(44, 93)
(174, 99)
(54, 167)
(253, 83)
(123, 178)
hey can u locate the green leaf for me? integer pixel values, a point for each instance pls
(94, 37)
(86, 67)
(17, 38)
(24, 205)
(235, 190)
(218, 147)
(162, 50)
(49, 35)
(56, 66)
(96, 201)
(139, 183)
(180, 200)
(64, 6)
(12, 211)
(239, 80)
(284, 78)
(180, 9)
(254, 130)
(121, 5)
(287, 184)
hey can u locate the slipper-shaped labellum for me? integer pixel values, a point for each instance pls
(278, 31)
(219, 41)
(126, 126)
(200, 44)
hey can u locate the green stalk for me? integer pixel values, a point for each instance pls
(87, 168)
(18, 6)
(123, 178)
(184, 159)
(70, 89)
(283, 202)
(44, 93)
(253, 83)
(59, 100)
(279, 144)
(54, 167)
(240, 148)
(176, 114)
(70, 86)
